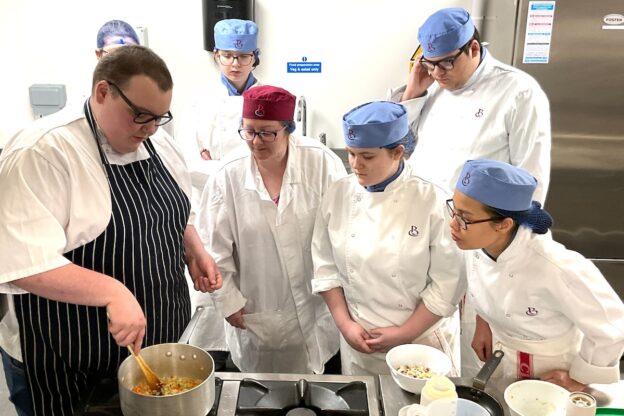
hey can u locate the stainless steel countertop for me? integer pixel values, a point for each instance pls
(231, 381)
(393, 398)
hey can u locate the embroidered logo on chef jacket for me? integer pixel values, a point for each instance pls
(238, 43)
(479, 113)
(259, 111)
(413, 232)
(351, 134)
(466, 179)
(531, 311)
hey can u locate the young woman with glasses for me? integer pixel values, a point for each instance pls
(548, 308)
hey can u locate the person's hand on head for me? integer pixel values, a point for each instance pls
(417, 82)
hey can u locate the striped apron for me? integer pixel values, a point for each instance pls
(67, 347)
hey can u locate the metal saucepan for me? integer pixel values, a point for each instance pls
(474, 401)
(175, 359)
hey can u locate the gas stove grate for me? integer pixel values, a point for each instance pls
(305, 398)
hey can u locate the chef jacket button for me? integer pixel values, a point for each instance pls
(401, 305)
(352, 235)
(394, 275)
(508, 315)
(358, 198)
(477, 255)
(510, 274)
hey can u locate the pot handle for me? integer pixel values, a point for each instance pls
(487, 370)
(190, 328)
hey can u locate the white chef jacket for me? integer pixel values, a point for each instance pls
(55, 197)
(537, 291)
(389, 251)
(501, 113)
(210, 122)
(263, 252)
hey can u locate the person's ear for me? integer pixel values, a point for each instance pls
(100, 91)
(99, 53)
(506, 224)
(475, 48)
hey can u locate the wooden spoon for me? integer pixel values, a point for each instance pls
(152, 379)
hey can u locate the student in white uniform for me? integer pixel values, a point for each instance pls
(383, 258)
(256, 217)
(95, 232)
(111, 35)
(548, 308)
(464, 104)
(208, 133)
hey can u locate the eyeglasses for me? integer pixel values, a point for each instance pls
(464, 223)
(266, 136)
(143, 117)
(227, 59)
(445, 64)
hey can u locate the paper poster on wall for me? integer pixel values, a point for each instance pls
(538, 32)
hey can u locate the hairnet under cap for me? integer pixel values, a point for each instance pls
(445, 31)
(375, 124)
(116, 32)
(497, 184)
(236, 35)
(266, 102)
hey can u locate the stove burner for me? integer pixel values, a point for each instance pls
(300, 411)
(301, 398)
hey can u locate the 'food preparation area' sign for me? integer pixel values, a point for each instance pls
(303, 67)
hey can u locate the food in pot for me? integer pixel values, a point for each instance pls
(415, 371)
(170, 385)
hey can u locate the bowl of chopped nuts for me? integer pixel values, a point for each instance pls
(411, 365)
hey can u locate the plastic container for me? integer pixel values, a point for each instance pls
(437, 387)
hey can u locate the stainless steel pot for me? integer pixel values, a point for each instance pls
(175, 359)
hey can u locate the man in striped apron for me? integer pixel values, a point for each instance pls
(95, 232)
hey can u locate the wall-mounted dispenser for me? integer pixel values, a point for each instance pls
(215, 10)
(47, 98)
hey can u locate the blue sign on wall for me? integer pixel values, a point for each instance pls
(303, 67)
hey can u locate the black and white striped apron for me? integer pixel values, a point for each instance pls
(67, 347)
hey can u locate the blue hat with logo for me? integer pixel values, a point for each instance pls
(236, 35)
(445, 31)
(497, 184)
(116, 32)
(375, 124)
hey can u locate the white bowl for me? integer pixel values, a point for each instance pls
(413, 355)
(536, 398)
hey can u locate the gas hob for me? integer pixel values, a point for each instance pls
(245, 394)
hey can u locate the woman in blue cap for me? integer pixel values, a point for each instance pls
(209, 132)
(549, 309)
(383, 258)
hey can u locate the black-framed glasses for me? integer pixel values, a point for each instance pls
(227, 59)
(445, 64)
(464, 223)
(266, 136)
(140, 116)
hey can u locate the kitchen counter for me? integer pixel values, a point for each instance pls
(393, 398)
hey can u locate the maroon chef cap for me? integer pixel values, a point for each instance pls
(266, 102)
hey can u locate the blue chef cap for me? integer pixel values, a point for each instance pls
(236, 35)
(445, 31)
(497, 184)
(116, 32)
(375, 124)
